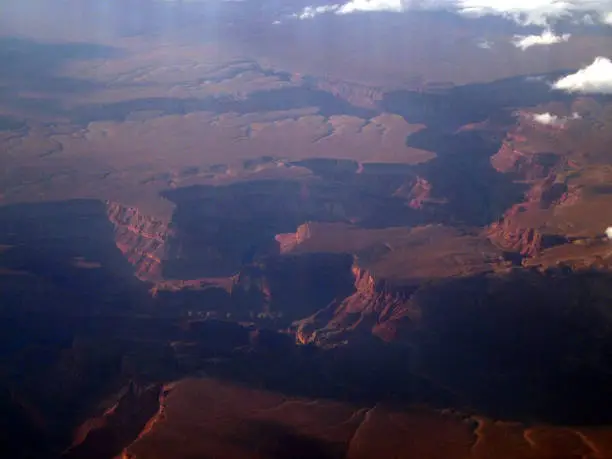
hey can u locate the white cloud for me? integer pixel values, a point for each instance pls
(524, 11)
(353, 6)
(544, 39)
(547, 118)
(534, 12)
(553, 120)
(371, 5)
(595, 78)
(312, 11)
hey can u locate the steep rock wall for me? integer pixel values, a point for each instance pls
(141, 239)
(377, 307)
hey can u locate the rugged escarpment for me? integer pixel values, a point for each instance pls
(514, 233)
(524, 226)
(141, 239)
(289, 287)
(387, 266)
(272, 292)
(513, 158)
(107, 435)
(416, 192)
(375, 307)
(289, 241)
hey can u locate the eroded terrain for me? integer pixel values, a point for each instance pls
(211, 250)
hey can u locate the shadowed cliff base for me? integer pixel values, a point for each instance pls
(120, 425)
(70, 246)
(219, 229)
(462, 174)
(530, 347)
(508, 346)
(59, 268)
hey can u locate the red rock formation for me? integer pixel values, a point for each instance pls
(417, 192)
(289, 241)
(140, 238)
(376, 307)
(515, 233)
(509, 236)
(526, 165)
(421, 192)
(136, 410)
(570, 196)
(506, 157)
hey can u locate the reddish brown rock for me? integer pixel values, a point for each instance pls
(289, 241)
(416, 191)
(506, 157)
(525, 164)
(141, 239)
(376, 307)
(136, 411)
(509, 236)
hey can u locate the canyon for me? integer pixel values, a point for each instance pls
(365, 280)
(212, 253)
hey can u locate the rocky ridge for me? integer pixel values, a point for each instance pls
(141, 239)
(375, 308)
(523, 228)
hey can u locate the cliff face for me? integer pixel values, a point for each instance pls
(288, 288)
(515, 238)
(140, 238)
(133, 414)
(520, 229)
(289, 241)
(515, 231)
(416, 192)
(510, 158)
(506, 157)
(376, 307)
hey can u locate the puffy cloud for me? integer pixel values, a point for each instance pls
(552, 120)
(544, 39)
(547, 118)
(594, 78)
